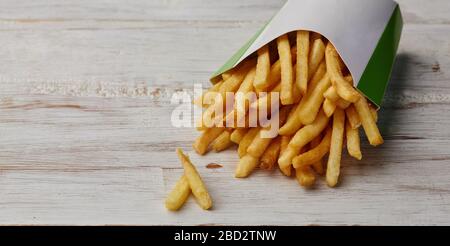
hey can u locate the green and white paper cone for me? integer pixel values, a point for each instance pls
(366, 33)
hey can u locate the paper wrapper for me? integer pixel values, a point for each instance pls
(366, 33)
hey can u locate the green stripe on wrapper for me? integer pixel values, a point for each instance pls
(376, 76)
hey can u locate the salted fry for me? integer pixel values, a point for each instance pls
(337, 138)
(262, 68)
(201, 143)
(287, 80)
(317, 166)
(328, 107)
(222, 142)
(316, 55)
(246, 141)
(178, 196)
(200, 100)
(245, 166)
(331, 94)
(314, 155)
(195, 182)
(283, 147)
(368, 122)
(270, 155)
(353, 141)
(353, 117)
(305, 176)
(313, 100)
(344, 89)
(301, 138)
(238, 134)
(302, 61)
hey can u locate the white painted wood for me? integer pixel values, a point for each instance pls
(85, 138)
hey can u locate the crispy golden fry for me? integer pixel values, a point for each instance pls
(344, 89)
(200, 100)
(230, 85)
(353, 117)
(368, 123)
(270, 156)
(328, 107)
(195, 181)
(178, 196)
(314, 155)
(238, 134)
(283, 147)
(302, 61)
(316, 56)
(245, 166)
(262, 68)
(247, 140)
(294, 122)
(305, 176)
(341, 103)
(374, 113)
(222, 142)
(201, 143)
(337, 139)
(301, 138)
(353, 141)
(275, 71)
(331, 94)
(287, 79)
(226, 75)
(317, 166)
(313, 100)
(260, 144)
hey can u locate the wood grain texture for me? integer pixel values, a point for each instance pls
(85, 137)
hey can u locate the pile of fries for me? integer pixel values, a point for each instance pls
(320, 111)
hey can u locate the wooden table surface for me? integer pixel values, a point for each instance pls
(85, 133)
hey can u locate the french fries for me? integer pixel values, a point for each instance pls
(320, 113)
(178, 196)
(198, 188)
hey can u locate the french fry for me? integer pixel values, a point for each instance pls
(337, 138)
(200, 100)
(353, 117)
(284, 51)
(178, 196)
(314, 155)
(344, 89)
(305, 176)
(353, 141)
(314, 36)
(316, 56)
(262, 68)
(331, 94)
(374, 113)
(283, 147)
(198, 188)
(317, 166)
(208, 136)
(259, 144)
(294, 122)
(343, 104)
(275, 71)
(328, 107)
(222, 142)
(238, 134)
(246, 141)
(368, 122)
(245, 166)
(226, 75)
(301, 138)
(302, 61)
(270, 155)
(313, 101)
